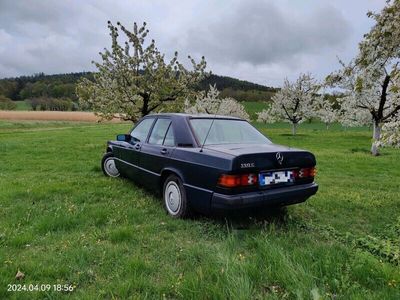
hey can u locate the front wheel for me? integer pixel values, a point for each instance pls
(174, 195)
(108, 165)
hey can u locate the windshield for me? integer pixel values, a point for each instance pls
(227, 132)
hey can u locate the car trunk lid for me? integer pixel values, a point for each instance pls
(261, 157)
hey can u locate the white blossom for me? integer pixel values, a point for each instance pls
(324, 110)
(391, 134)
(264, 116)
(349, 116)
(371, 80)
(209, 103)
(134, 79)
(292, 103)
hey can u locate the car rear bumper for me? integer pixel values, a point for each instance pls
(278, 196)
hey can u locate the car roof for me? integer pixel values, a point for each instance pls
(199, 116)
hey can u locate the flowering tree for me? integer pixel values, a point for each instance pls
(371, 79)
(134, 80)
(210, 103)
(293, 103)
(324, 110)
(391, 129)
(264, 116)
(350, 117)
(372, 97)
(391, 134)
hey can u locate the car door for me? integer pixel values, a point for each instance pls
(130, 152)
(156, 151)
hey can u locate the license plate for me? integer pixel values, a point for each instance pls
(269, 178)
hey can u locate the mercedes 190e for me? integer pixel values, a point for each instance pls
(209, 163)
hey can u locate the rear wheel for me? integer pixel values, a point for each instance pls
(174, 197)
(108, 165)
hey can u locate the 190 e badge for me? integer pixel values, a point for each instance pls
(247, 165)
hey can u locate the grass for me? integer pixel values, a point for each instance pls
(23, 105)
(62, 221)
(253, 107)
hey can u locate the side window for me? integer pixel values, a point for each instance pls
(169, 138)
(159, 130)
(140, 132)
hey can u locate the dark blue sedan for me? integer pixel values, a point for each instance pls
(206, 163)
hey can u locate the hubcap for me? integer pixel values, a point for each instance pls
(110, 168)
(172, 197)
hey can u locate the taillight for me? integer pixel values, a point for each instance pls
(231, 181)
(305, 172)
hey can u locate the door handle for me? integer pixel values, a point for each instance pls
(164, 151)
(137, 146)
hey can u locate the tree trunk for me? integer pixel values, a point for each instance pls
(327, 126)
(145, 106)
(294, 127)
(376, 138)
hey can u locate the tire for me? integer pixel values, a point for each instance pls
(108, 165)
(174, 198)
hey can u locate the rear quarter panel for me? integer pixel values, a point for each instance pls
(200, 172)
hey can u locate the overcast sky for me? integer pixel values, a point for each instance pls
(262, 41)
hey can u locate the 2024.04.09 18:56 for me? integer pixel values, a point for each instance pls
(206, 163)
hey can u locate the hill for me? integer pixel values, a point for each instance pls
(224, 82)
(63, 86)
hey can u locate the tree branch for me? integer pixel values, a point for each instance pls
(392, 113)
(286, 112)
(383, 97)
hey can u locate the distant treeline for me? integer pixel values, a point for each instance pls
(41, 85)
(62, 86)
(224, 82)
(241, 90)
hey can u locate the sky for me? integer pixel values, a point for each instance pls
(262, 41)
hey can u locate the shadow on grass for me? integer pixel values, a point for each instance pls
(248, 219)
(96, 169)
(294, 136)
(368, 152)
(360, 150)
(243, 219)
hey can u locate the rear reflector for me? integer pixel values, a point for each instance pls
(231, 181)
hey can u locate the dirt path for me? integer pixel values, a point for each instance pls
(78, 116)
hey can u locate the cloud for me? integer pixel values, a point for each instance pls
(260, 33)
(262, 41)
(48, 36)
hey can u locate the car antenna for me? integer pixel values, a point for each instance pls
(209, 129)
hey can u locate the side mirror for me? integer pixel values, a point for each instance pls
(123, 137)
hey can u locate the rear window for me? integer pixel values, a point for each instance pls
(226, 132)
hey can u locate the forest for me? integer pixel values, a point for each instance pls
(57, 92)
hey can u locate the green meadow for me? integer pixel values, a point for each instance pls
(253, 107)
(22, 105)
(63, 222)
